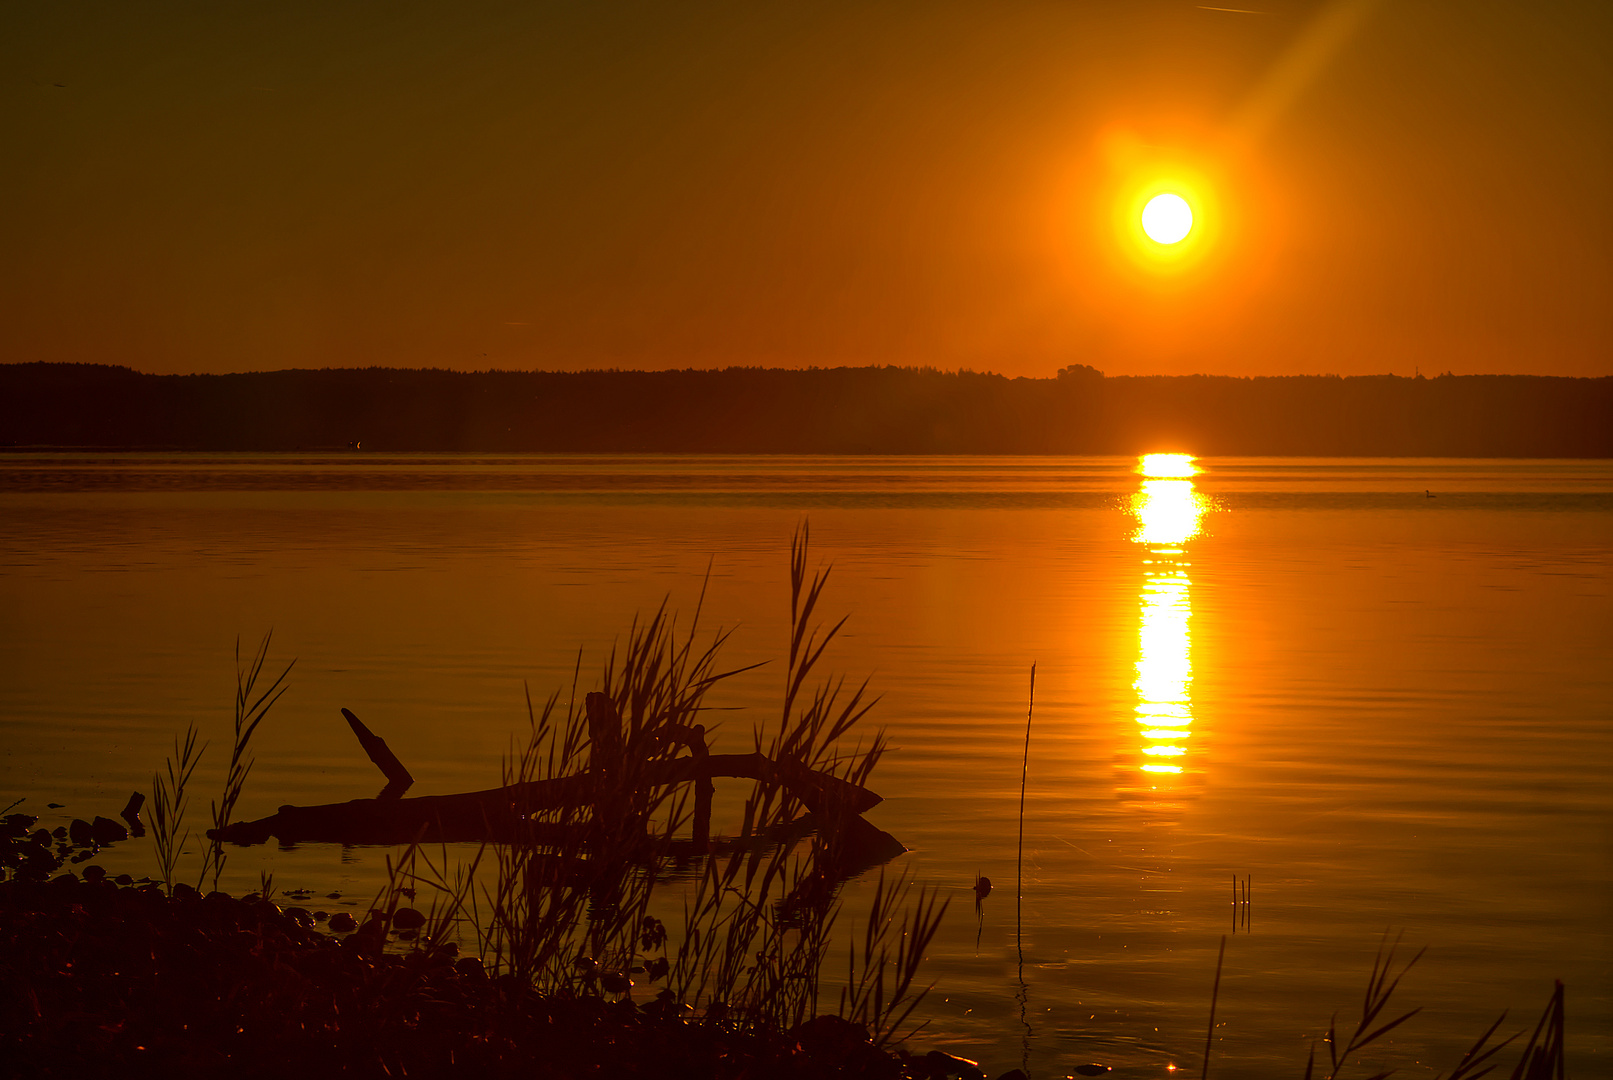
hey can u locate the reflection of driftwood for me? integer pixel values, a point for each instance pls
(617, 772)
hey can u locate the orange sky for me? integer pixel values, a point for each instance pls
(1381, 186)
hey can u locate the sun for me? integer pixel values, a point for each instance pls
(1167, 222)
(1167, 219)
(1167, 466)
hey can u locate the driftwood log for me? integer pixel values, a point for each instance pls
(497, 813)
(504, 814)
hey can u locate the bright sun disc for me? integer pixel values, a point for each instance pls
(1167, 219)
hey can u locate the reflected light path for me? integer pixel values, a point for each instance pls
(1168, 513)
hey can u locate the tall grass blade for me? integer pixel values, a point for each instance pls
(251, 706)
(169, 804)
(1215, 994)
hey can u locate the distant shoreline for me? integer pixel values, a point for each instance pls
(869, 410)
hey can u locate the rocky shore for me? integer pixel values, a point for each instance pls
(108, 977)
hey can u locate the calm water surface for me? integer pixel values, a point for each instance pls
(1385, 710)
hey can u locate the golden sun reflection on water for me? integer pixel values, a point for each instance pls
(1169, 514)
(1172, 466)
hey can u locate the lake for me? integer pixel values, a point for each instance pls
(1378, 691)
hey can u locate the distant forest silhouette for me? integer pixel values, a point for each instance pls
(868, 410)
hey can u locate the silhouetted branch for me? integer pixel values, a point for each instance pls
(398, 779)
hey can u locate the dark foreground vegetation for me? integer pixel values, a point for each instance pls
(836, 411)
(98, 979)
(606, 796)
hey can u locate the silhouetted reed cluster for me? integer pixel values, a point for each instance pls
(572, 907)
(169, 795)
(1542, 1057)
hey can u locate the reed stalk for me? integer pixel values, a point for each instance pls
(251, 706)
(169, 803)
(1380, 988)
(1543, 1054)
(866, 999)
(1542, 1057)
(1019, 858)
(1215, 995)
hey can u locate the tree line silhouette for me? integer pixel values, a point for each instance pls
(872, 410)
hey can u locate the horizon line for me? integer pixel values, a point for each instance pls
(1089, 372)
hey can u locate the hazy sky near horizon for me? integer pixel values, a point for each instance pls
(1379, 186)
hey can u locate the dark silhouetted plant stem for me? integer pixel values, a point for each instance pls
(1215, 992)
(1019, 863)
